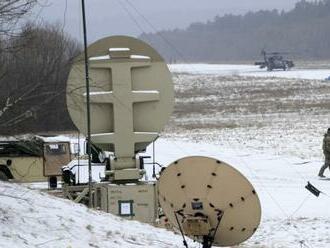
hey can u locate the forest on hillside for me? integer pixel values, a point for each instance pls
(303, 31)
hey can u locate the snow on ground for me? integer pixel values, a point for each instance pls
(269, 128)
(291, 214)
(34, 219)
(283, 116)
(248, 70)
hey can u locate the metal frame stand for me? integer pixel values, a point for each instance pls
(209, 239)
(180, 228)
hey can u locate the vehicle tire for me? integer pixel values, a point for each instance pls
(3, 176)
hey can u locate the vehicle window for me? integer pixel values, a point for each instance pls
(55, 149)
(13, 149)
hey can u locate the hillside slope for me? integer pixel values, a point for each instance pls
(304, 31)
(34, 219)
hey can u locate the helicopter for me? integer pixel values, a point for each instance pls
(274, 60)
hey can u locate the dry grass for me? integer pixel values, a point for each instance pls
(214, 102)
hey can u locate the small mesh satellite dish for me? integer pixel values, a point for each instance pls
(210, 200)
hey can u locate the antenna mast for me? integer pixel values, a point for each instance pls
(87, 105)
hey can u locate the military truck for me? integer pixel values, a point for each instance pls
(33, 158)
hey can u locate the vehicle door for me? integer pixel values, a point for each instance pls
(55, 156)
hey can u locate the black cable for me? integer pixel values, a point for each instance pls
(157, 33)
(64, 15)
(180, 228)
(131, 16)
(220, 215)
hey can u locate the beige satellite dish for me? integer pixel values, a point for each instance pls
(131, 96)
(209, 199)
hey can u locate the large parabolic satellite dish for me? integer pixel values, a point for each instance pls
(209, 199)
(131, 94)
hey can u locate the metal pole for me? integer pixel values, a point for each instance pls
(78, 157)
(153, 160)
(87, 105)
(180, 229)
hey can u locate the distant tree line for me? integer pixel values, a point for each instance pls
(304, 31)
(35, 62)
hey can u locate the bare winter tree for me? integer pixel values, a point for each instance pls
(32, 91)
(11, 11)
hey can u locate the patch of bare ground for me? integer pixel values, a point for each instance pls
(264, 114)
(206, 101)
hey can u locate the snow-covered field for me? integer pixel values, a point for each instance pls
(291, 214)
(248, 70)
(268, 127)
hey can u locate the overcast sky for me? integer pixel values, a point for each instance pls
(132, 17)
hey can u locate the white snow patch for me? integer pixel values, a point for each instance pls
(33, 219)
(247, 70)
(290, 213)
